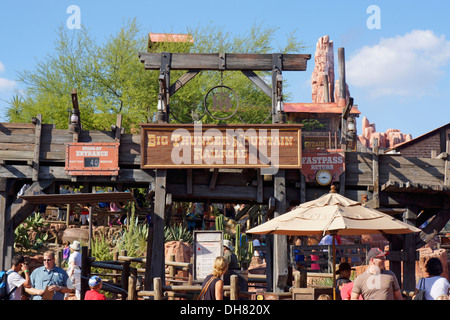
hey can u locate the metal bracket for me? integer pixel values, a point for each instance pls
(222, 61)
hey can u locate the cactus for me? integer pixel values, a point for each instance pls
(237, 245)
(219, 222)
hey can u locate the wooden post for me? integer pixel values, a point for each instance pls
(342, 99)
(409, 248)
(125, 276)
(447, 165)
(234, 288)
(326, 90)
(69, 208)
(90, 226)
(157, 288)
(376, 179)
(6, 226)
(37, 147)
(132, 288)
(171, 267)
(115, 258)
(280, 254)
(157, 254)
(85, 270)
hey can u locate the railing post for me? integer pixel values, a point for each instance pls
(85, 268)
(234, 288)
(157, 288)
(132, 287)
(125, 276)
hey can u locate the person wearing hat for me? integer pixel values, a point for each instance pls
(229, 255)
(344, 271)
(95, 283)
(74, 270)
(376, 283)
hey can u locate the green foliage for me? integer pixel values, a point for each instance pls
(110, 79)
(178, 233)
(312, 124)
(134, 238)
(101, 248)
(29, 234)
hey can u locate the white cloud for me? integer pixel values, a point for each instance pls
(6, 84)
(411, 64)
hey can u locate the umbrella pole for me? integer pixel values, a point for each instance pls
(334, 266)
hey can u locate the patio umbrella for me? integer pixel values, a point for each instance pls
(333, 214)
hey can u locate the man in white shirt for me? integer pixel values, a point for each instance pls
(15, 280)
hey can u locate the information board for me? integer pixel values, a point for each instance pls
(207, 246)
(92, 158)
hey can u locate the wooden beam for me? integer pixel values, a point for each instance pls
(212, 183)
(184, 79)
(37, 147)
(21, 209)
(258, 82)
(433, 228)
(234, 61)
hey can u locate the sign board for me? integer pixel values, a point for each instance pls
(322, 167)
(207, 246)
(318, 143)
(92, 159)
(166, 146)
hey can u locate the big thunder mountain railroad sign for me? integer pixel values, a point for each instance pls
(175, 146)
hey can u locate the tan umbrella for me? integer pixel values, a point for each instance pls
(333, 214)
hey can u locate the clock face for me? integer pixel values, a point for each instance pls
(323, 177)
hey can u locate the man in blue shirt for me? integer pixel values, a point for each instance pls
(51, 277)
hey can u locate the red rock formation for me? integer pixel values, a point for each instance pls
(182, 252)
(386, 140)
(324, 64)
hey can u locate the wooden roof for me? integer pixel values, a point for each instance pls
(84, 199)
(331, 107)
(170, 37)
(419, 138)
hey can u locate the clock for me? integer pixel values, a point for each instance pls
(323, 177)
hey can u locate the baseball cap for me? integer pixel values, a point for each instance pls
(94, 281)
(375, 253)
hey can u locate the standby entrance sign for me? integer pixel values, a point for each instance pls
(207, 246)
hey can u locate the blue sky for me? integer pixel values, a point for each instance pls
(398, 73)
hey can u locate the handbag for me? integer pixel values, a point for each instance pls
(421, 294)
(205, 288)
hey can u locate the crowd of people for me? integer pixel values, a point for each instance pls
(50, 282)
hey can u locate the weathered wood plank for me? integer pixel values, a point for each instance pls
(211, 61)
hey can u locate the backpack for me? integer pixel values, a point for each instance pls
(4, 295)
